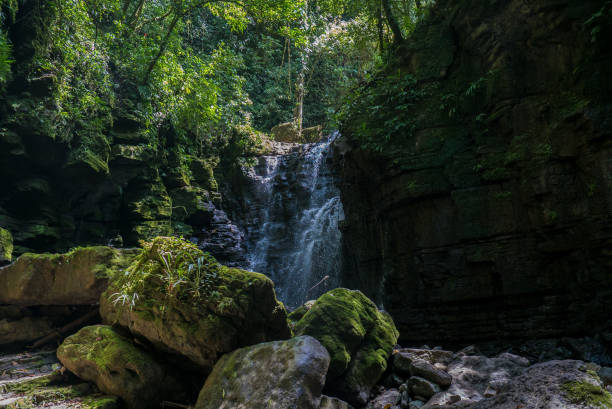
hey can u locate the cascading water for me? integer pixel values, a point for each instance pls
(292, 227)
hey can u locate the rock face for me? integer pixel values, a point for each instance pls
(493, 220)
(274, 375)
(6, 246)
(232, 308)
(359, 339)
(75, 278)
(100, 355)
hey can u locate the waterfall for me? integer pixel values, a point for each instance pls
(292, 221)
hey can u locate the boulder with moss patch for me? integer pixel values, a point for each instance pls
(6, 246)
(74, 278)
(273, 375)
(186, 303)
(359, 339)
(100, 355)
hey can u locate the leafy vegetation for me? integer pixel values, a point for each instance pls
(170, 267)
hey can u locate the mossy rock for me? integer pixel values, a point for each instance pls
(586, 393)
(74, 278)
(55, 390)
(187, 304)
(192, 204)
(101, 355)
(358, 336)
(203, 173)
(271, 375)
(6, 246)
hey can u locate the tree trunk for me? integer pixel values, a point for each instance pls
(393, 24)
(162, 47)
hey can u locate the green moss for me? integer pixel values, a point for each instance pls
(55, 389)
(582, 392)
(358, 337)
(6, 245)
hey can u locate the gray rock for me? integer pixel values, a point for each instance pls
(422, 387)
(605, 374)
(401, 362)
(274, 375)
(328, 402)
(387, 399)
(424, 369)
(416, 404)
(405, 399)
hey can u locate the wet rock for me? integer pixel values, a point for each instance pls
(388, 399)
(211, 311)
(100, 355)
(222, 238)
(275, 375)
(6, 246)
(74, 278)
(422, 387)
(328, 402)
(424, 369)
(358, 337)
(416, 404)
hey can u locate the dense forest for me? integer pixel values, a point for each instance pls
(306, 204)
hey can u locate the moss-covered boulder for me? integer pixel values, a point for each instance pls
(272, 375)
(100, 355)
(74, 278)
(358, 336)
(186, 303)
(6, 246)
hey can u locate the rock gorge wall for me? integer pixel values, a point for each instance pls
(494, 220)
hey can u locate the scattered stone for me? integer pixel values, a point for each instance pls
(422, 387)
(392, 381)
(75, 278)
(358, 337)
(405, 399)
(100, 355)
(386, 400)
(272, 375)
(424, 369)
(236, 308)
(416, 404)
(328, 402)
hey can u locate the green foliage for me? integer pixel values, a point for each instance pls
(378, 112)
(167, 268)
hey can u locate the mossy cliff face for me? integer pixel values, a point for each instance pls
(358, 336)
(74, 278)
(6, 246)
(185, 303)
(100, 355)
(83, 177)
(489, 218)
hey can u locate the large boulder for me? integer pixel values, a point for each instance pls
(358, 336)
(554, 384)
(6, 246)
(74, 278)
(272, 375)
(185, 303)
(100, 355)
